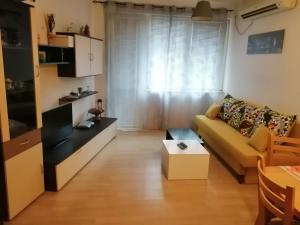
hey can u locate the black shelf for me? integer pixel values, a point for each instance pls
(55, 46)
(83, 95)
(57, 55)
(17, 48)
(55, 63)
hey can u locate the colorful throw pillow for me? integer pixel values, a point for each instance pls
(237, 112)
(260, 120)
(248, 121)
(226, 109)
(279, 124)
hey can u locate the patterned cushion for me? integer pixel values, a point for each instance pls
(279, 124)
(261, 119)
(237, 112)
(227, 110)
(249, 119)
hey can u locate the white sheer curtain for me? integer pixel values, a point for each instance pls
(163, 69)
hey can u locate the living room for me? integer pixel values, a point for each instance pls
(148, 111)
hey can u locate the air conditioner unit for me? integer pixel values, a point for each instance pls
(266, 7)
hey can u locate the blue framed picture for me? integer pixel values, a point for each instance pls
(266, 43)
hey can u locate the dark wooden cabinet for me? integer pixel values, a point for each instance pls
(20, 111)
(18, 71)
(57, 55)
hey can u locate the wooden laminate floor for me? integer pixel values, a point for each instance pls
(123, 185)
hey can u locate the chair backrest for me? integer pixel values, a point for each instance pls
(277, 200)
(283, 151)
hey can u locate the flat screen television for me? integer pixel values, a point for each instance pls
(57, 126)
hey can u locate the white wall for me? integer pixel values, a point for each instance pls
(66, 11)
(267, 79)
(80, 12)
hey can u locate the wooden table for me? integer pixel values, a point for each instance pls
(283, 178)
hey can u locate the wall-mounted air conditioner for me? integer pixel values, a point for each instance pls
(266, 7)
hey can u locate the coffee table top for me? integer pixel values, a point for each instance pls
(194, 147)
(182, 134)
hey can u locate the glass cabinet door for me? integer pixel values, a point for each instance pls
(15, 27)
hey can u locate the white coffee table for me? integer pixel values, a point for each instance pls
(191, 163)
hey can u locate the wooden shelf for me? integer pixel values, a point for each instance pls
(73, 34)
(83, 95)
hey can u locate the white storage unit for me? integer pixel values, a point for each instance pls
(88, 56)
(24, 179)
(191, 163)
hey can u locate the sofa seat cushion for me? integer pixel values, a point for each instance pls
(230, 139)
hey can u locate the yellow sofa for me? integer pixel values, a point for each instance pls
(230, 145)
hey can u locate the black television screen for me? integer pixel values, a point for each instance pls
(57, 126)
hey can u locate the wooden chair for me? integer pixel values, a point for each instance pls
(274, 200)
(283, 151)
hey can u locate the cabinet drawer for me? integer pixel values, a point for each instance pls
(105, 137)
(20, 144)
(24, 179)
(69, 167)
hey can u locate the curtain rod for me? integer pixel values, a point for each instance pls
(155, 6)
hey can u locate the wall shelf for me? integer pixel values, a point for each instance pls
(56, 55)
(68, 99)
(54, 46)
(55, 63)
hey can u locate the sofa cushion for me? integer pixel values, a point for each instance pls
(279, 124)
(230, 139)
(229, 104)
(237, 115)
(259, 140)
(249, 118)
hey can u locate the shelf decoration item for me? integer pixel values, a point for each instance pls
(51, 26)
(87, 31)
(98, 110)
(42, 56)
(51, 22)
(81, 30)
